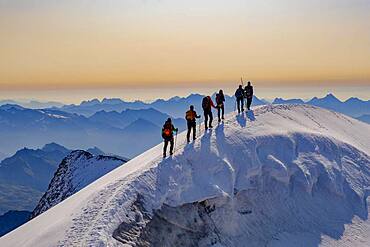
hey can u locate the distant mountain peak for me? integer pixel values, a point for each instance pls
(331, 96)
(76, 171)
(175, 98)
(54, 147)
(288, 101)
(90, 102)
(194, 95)
(146, 110)
(8, 107)
(112, 101)
(354, 100)
(139, 125)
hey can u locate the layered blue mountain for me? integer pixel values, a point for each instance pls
(364, 118)
(127, 117)
(12, 219)
(20, 127)
(288, 101)
(175, 106)
(88, 108)
(25, 176)
(353, 107)
(33, 104)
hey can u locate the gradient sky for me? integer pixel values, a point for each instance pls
(76, 44)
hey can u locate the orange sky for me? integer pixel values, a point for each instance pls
(119, 43)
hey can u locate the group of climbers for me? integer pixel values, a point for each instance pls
(191, 115)
(243, 94)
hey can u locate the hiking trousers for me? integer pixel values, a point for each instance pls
(191, 126)
(208, 117)
(240, 102)
(220, 108)
(249, 102)
(166, 141)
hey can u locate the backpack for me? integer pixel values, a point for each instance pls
(219, 99)
(190, 115)
(167, 131)
(239, 93)
(248, 91)
(205, 103)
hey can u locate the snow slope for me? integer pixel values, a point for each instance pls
(76, 171)
(283, 175)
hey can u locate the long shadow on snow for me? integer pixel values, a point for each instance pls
(250, 115)
(240, 118)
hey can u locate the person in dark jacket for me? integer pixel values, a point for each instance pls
(167, 134)
(207, 105)
(239, 95)
(191, 117)
(248, 92)
(220, 99)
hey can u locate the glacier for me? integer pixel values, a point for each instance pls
(281, 175)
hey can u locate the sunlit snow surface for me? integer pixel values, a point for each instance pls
(283, 175)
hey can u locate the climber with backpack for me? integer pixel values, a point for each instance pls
(220, 99)
(248, 92)
(167, 135)
(239, 95)
(207, 105)
(191, 117)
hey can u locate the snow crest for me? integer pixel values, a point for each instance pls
(282, 175)
(76, 171)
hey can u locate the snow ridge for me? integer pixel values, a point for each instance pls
(75, 172)
(281, 175)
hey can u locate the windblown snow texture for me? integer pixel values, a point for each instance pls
(76, 171)
(282, 175)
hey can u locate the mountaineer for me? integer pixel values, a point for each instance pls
(207, 105)
(191, 117)
(167, 134)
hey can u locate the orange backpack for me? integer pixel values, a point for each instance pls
(190, 115)
(167, 131)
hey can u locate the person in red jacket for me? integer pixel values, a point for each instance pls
(207, 105)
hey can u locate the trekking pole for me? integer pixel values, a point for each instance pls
(200, 124)
(174, 150)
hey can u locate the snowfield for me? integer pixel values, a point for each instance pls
(281, 176)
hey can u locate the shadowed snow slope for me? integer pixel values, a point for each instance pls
(283, 175)
(76, 171)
